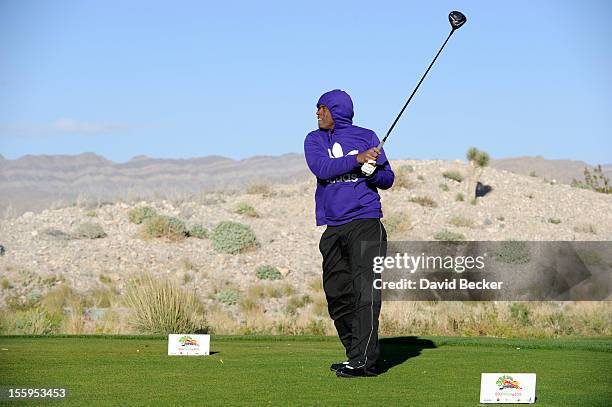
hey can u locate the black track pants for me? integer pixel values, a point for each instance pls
(352, 301)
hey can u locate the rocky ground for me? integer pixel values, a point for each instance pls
(38, 256)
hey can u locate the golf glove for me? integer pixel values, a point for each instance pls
(368, 168)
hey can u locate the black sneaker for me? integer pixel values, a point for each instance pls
(350, 371)
(336, 366)
(372, 372)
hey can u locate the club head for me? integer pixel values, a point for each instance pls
(457, 19)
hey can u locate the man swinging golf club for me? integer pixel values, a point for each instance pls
(347, 202)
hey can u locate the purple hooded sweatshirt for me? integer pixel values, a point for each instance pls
(343, 192)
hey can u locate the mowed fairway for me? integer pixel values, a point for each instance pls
(425, 371)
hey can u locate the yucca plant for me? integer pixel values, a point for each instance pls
(478, 161)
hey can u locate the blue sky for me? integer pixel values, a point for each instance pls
(240, 78)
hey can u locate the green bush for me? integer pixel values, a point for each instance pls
(454, 175)
(554, 221)
(160, 306)
(268, 273)
(512, 252)
(89, 230)
(443, 187)
(447, 235)
(233, 238)
(228, 296)
(459, 197)
(246, 209)
(140, 214)
(164, 226)
(198, 231)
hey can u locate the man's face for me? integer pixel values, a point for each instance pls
(324, 117)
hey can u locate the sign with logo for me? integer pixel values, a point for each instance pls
(187, 344)
(507, 387)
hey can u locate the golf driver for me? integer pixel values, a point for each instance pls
(456, 19)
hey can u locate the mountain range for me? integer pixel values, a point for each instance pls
(37, 182)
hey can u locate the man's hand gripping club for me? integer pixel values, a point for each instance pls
(368, 160)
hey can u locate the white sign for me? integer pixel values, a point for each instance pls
(507, 387)
(187, 344)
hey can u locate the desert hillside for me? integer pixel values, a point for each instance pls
(33, 183)
(37, 182)
(43, 251)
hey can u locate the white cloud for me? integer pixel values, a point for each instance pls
(62, 126)
(74, 126)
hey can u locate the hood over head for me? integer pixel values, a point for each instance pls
(340, 105)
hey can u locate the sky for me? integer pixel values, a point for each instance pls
(186, 79)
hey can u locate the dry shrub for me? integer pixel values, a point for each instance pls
(585, 228)
(396, 223)
(461, 221)
(402, 177)
(88, 230)
(534, 319)
(424, 201)
(164, 226)
(259, 189)
(140, 214)
(246, 210)
(160, 306)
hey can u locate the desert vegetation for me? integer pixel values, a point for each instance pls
(425, 201)
(594, 180)
(477, 160)
(240, 274)
(232, 237)
(268, 273)
(245, 209)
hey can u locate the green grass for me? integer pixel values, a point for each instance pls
(108, 370)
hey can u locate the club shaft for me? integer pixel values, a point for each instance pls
(414, 91)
